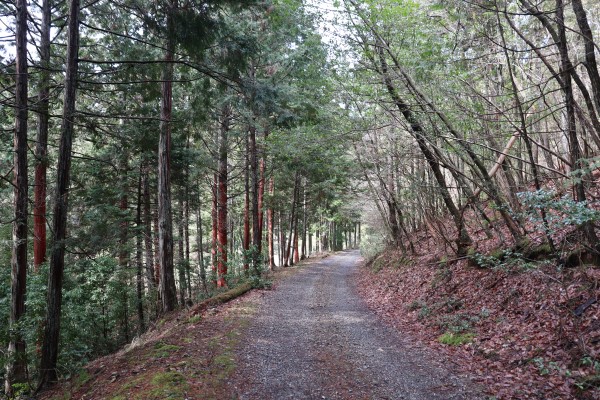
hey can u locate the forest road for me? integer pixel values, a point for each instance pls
(314, 338)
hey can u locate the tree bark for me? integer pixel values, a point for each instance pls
(16, 368)
(222, 198)
(150, 278)
(270, 223)
(464, 240)
(215, 227)
(256, 236)
(246, 236)
(574, 149)
(167, 289)
(49, 354)
(138, 256)
(200, 244)
(590, 50)
(41, 148)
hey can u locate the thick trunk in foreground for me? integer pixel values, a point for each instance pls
(49, 356)
(16, 368)
(168, 291)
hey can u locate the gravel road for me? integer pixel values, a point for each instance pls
(314, 338)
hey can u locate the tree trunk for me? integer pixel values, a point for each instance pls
(261, 197)
(200, 244)
(181, 252)
(464, 240)
(168, 291)
(246, 236)
(49, 354)
(590, 50)
(123, 244)
(222, 198)
(574, 150)
(150, 278)
(270, 222)
(215, 227)
(256, 237)
(16, 368)
(138, 257)
(41, 148)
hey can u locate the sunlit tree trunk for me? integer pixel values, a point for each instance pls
(168, 291)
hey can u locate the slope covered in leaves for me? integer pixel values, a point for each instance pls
(524, 330)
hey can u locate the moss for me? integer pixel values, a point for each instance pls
(81, 379)
(162, 350)
(194, 319)
(456, 339)
(168, 385)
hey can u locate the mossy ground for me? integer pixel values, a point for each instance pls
(194, 359)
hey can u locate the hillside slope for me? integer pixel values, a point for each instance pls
(525, 331)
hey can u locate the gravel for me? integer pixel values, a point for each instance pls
(314, 338)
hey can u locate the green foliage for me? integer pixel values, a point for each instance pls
(562, 211)
(456, 339)
(501, 259)
(162, 350)
(545, 367)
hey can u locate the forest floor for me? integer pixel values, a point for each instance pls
(524, 330)
(311, 336)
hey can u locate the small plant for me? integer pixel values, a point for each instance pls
(424, 312)
(484, 313)
(415, 305)
(443, 274)
(456, 339)
(457, 323)
(162, 350)
(545, 368)
(194, 319)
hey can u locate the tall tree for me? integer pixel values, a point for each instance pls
(168, 291)
(41, 148)
(17, 366)
(222, 228)
(49, 356)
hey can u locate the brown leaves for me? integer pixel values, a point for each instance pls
(528, 341)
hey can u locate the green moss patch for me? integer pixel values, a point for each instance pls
(456, 339)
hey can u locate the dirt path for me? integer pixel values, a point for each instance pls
(314, 338)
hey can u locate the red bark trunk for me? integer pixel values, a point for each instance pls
(222, 200)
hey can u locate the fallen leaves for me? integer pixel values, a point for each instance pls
(528, 344)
